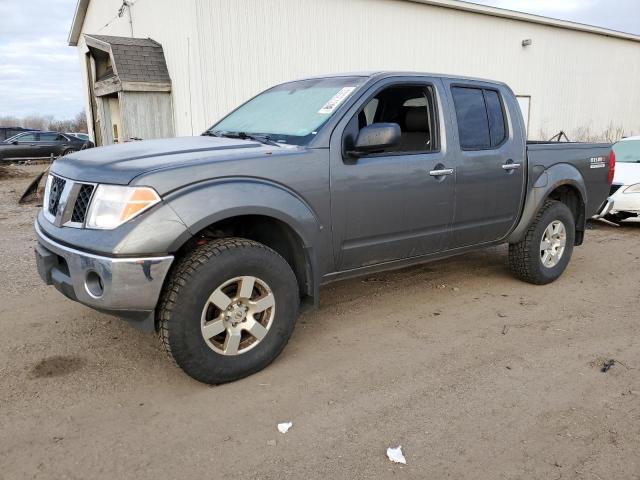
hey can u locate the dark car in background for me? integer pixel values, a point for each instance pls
(8, 132)
(37, 144)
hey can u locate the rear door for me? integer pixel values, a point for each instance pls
(387, 206)
(491, 169)
(52, 143)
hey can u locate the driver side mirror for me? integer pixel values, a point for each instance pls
(376, 137)
(15, 142)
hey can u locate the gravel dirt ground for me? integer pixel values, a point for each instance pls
(474, 373)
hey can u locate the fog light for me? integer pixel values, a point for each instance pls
(93, 284)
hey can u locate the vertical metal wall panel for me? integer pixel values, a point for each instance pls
(221, 52)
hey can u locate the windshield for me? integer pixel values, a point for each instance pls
(289, 113)
(627, 151)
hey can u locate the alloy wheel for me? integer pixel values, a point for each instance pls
(552, 245)
(238, 315)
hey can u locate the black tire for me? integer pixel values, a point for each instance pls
(68, 151)
(525, 260)
(192, 281)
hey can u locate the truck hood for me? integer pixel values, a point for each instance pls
(120, 164)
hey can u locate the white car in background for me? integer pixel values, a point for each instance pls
(81, 136)
(624, 197)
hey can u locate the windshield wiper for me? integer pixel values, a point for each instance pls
(211, 133)
(243, 136)
(259, 138)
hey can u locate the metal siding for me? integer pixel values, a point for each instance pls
(221, 52)
(146, 115)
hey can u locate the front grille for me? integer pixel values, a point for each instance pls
(67, 201)
(82, 203)
(55, 192)
(614, 189)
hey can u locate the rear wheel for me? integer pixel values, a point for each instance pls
(68, 151)
(228, 310)
(545, 251)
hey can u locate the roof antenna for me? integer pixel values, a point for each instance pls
(126, 4)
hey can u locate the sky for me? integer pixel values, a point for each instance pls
(40, 73)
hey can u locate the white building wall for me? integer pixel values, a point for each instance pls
(221, 52)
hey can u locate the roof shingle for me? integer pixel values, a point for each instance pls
(137, 59)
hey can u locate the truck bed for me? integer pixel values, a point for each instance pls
(590, 159)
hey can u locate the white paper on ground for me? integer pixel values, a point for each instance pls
(284, 427)
(395, 455)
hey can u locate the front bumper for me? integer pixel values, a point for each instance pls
(128, 287)
(620, 202)
(625, 202)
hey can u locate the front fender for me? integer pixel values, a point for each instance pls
(203, 204)
(546, 183)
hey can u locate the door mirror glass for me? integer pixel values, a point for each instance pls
(377, 137)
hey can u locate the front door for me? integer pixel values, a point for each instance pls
(490, 176)
(396, 203)
(25, 146)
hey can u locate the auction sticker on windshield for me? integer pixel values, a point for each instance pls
(336, 100)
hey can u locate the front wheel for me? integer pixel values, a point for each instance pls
(545, 251)
(228, 310)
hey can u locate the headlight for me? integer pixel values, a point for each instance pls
(113, 205)
(632, 189)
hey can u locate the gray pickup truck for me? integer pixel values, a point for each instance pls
(216, 241)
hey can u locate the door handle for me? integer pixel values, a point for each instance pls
(510, 166)
(441, 172)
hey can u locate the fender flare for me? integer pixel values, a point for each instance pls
(552, 178)
(205, 203)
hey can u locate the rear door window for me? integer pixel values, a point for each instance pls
(49, 137)
(471, 113)
(480, 117)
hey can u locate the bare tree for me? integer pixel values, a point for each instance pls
(47, 122)
(81, 122)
